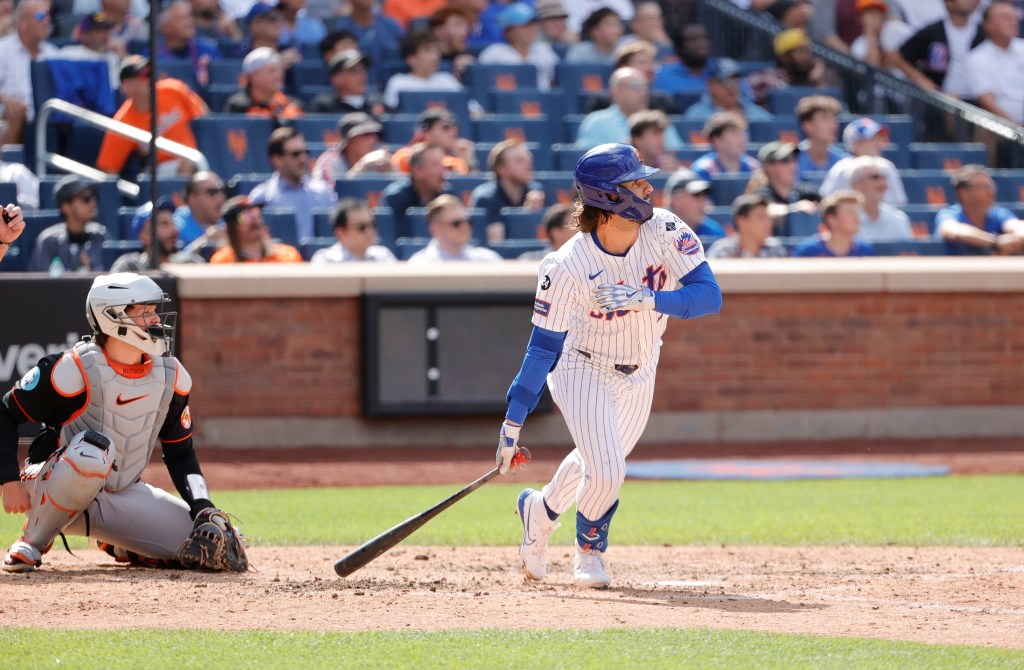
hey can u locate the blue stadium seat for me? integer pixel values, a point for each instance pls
(13, 153)
(922, 219)
(783, 128)
(182, 70)
(407, 246)
(122, 229)
(8, 193)
(307, 93)
(35, 222)
(782, 101)
(725, 188)
(385, 219)
(1009, 184)
(570, 127)
(687, 99)
(225, 72)
(513, 249)
(85, 144)
(216, 96)
(687, 156)
(311, 245)
(106, 190)
(461, 186)
(565, 156)
(281, 224)
(308, 72)
(498, 127)
(114, 249)
(947, 156)
(318, 128)
(322, 223)
(415, 102)
(417, 218)
(928, 187)
(243, 184)
(365, 186)
(529, 103)
(399, 128)
(899, 156)
(520, 223)
(691, 131)
(558, 187)
(910, 248)
(578, 81)
(485, 79)
(803, 225)
(233, 143)
(170, 186)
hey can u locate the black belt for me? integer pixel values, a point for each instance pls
(621, 367)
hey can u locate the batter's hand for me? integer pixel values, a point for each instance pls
(12, 224)
(508, 446)
(16, 500)
(619, 297)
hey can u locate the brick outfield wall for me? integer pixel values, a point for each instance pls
(300, 357)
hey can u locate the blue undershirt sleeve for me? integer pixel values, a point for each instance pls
(698, 296)
(541, 357)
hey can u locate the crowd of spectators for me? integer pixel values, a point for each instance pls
(659, 76)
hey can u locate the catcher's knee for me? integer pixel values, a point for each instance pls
(79, 472)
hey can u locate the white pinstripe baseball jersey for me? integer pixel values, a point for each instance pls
(665, 251)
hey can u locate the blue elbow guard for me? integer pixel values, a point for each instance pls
(699, 295)
(541, 357)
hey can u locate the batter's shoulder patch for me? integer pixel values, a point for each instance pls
(672, 223)
(687, 243)
(542, 307)
(186, 418)
(545, 283)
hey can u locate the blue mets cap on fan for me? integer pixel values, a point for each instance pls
(145, 212)
(600, 174)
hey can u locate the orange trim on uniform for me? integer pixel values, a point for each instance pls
(83, 474)
(85, 381)
(63, 509)
(176, 441)
(27, 415)
(136, 371)
(88, 392)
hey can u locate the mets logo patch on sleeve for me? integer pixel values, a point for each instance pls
(687, 243)
(541, 307)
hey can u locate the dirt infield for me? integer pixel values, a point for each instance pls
(932, 594)
(937, 595)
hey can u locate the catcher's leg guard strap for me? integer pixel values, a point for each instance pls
(593, 535)
(76, 476)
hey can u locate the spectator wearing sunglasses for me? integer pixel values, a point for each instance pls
(17, 51)
(76, 243)
(450, 233)
(356, 232)
(291, 185)
(198, 220)
(167, 239)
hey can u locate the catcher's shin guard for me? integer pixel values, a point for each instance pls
(75, 478)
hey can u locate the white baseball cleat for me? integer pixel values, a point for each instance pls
(22, 557)
(588, 569)
(537, 528)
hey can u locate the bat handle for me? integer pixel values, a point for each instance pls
(7, 217)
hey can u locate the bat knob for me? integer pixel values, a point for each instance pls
(520, 460)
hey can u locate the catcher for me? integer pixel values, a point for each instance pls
(103, 405)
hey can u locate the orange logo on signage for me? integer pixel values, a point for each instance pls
(238, 144)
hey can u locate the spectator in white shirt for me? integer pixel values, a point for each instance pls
(17, 51)
(601, 33)
(879, 222)
(450, 232)
(356, 232)
(865, 137)
(519, 24)
(422, 53)
(995, 68)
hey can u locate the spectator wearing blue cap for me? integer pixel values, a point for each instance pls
(866, 137)
(263, 23)
(723, 94)
(166, 236)
(518, 22)
(76, 243)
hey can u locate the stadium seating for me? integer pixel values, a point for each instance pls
(318, 128)
(542, 155)
(234, 143)
(385, 220)
(498, 127)
(307, 72)
(946, 156)
(802, 224)
(114, 249)
(244, 183)
(417, 218)
(400, 128)
(366, 186)
(8, 193)
(415, 102)
(106, 191)
(521, 224)
(311, 245)
(928, 187)
(565, 156)
(691, 131)
(558, 187)
(782, 101)
(910, 248)
(281, 224)
(578, 81)
(462, 186)
(725, 188)
(782, 129)
(529, 103)
(486, 79)
(216, 96)
(512, 249)
(36, 221)
(407, 246)
(1009, 185)
(922, 219)
(169, 186)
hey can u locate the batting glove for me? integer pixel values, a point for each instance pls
(619, 297)
(508, 445)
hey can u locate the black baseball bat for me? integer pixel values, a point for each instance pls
(371, 549)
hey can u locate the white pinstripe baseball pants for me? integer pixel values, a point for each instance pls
(606, 412)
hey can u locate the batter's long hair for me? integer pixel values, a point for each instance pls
(586, 218)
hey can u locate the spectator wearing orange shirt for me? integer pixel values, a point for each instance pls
(264, 95)
(248, 238)
(177, 107)
(438, 127)
(405, 11)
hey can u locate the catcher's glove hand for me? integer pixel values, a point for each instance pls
(214, 544)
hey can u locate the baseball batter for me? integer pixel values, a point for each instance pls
(104, 404)
(603, 301)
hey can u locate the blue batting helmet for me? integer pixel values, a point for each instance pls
(600, 174)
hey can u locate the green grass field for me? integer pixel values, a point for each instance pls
(953, 511)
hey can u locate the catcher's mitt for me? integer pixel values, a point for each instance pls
(214, 544)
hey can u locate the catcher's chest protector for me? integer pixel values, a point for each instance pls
(130, 411)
